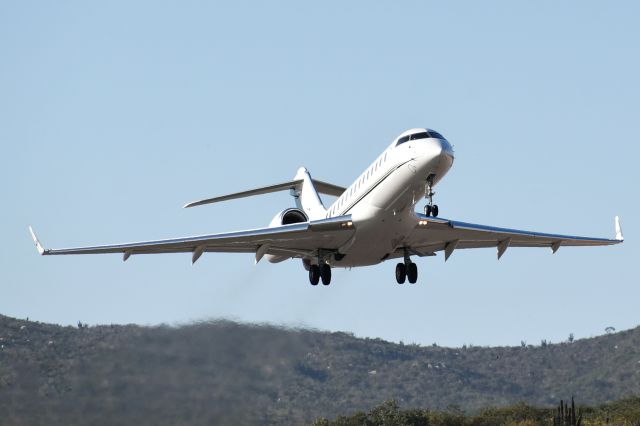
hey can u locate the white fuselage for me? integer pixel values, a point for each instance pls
(382, 200)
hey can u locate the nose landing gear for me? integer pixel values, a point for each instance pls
(430, 209)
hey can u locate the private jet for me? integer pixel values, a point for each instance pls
(371, 221)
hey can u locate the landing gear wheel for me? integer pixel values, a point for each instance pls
(412, 273)
(434, 210)
(325, 274)
(427, 210)
(314, 274)
(401, 273)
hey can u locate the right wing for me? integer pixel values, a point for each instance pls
(294, 240)
(436, 234)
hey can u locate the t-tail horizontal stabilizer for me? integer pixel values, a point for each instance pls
(320, 186)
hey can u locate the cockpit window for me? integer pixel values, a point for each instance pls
(403, 140)
(421, 135)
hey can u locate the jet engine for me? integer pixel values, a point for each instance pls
(285, 217)
(288, 216)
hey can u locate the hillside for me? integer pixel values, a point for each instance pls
(625, 412)
(228, 373)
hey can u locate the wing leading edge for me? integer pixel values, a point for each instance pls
(436, 234)
(296, 240)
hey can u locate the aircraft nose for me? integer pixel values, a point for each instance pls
(432, 149)
(446, 149)
(439, 148)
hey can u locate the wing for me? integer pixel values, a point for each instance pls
(294, 240)
(436, 234)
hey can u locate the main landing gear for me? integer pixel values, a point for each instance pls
(430, 209)
(407, 270)
(320, 272)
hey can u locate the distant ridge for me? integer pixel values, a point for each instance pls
(228, 373)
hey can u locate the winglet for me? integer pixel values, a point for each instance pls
(41, 249)
(619, 235)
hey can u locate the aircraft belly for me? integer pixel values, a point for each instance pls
(378, 233)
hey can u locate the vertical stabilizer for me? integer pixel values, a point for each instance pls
(307, 198)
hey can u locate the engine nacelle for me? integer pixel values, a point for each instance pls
(288, 216)
(285, 217)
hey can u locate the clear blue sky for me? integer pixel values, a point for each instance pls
(113, 115)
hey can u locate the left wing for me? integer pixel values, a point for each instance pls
(434, 234)
(295, 240)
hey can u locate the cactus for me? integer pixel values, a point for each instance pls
(566, 416)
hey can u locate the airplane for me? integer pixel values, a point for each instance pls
(371, 221)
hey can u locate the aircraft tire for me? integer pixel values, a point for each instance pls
(401, 273)
(325, 274)
(427, 210)
(412, 273)
(434, 210)
(314, 274)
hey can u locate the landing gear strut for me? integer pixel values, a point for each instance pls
(406, 270)
(430, 209)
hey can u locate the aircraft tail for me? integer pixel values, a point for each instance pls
(304, 189)
(306, 196)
